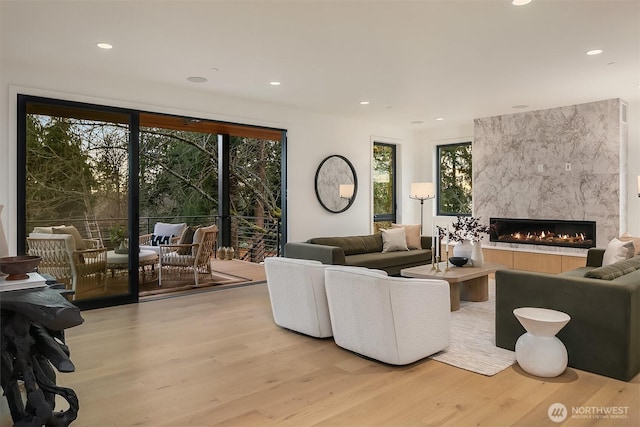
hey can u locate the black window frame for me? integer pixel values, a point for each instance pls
(389, 217)
(439, 189)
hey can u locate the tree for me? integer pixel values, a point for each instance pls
(60, 182)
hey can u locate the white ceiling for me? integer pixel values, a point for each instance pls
(412, 60)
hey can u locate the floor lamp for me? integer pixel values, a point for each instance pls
(422, 191)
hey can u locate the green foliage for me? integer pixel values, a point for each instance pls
(60, 182)
(383, 183)
(455, 179)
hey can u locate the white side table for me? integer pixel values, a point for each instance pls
(538, 351)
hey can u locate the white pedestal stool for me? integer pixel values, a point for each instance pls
(538, 351)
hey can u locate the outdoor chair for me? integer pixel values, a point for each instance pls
(193, 258)
(62, 259)
(163, 234)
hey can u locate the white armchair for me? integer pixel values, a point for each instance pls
(298, 297)
(391, 319)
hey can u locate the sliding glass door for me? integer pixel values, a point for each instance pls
(76, 167)
(94, 183)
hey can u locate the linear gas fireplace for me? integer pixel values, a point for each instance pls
(573, 234)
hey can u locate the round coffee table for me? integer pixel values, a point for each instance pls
(538, 351)
(121, 261)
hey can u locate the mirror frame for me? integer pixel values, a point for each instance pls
(333, 171)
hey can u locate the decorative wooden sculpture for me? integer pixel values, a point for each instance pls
(33, 324)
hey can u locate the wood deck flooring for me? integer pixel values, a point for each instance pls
(217, 359)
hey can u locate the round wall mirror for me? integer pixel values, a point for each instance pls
(336, 183)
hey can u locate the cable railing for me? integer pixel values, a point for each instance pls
(253, 238)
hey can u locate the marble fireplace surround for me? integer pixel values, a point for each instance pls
(520, 168)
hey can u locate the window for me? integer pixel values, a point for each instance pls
(384, 185)
(454, 179)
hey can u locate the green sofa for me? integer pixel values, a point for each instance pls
(360, 251)
(603, 335)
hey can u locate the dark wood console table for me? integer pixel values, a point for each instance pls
(32, 341)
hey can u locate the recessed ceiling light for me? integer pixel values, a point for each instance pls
(104, 46)
(594, 52)
(520, 106)
(215, 69)
(439, 119)
(520, 2)
(196, 79)
(417, 122)
(274, 83)
(364, 102)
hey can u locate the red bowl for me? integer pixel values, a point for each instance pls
(17, 267)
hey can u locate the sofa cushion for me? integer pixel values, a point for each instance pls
(615, 270)
(617, 251)
(350, 245)
(394, 240)
(412, 234)
(636, 241)
(384, 260)
(187, 239)
(81, 245)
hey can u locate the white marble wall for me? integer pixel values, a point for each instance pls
(508, 151)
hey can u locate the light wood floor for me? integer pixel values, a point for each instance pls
(217, 359)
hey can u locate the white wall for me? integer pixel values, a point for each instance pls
(311, 137)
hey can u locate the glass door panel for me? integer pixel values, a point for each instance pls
(77, 196)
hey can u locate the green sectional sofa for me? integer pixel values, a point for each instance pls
(603, 335)
(360, 251)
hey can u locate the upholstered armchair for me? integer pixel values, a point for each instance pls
(193, 258)
(163, 234)
(394, 320)
(62, 259)
(298, 297)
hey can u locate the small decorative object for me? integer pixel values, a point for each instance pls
(458, 261)
(118, 235)
(477, 258)
(466, 229)
(463, 249)
(230, 253)
(222, 253)
(17, 267)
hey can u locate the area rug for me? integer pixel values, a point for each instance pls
(473, 335)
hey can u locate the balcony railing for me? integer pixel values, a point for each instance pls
(253, 238)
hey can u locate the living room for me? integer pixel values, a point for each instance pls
(46, 53)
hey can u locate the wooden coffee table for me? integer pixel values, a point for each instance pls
(466, 283)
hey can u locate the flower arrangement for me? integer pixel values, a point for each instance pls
(464, 228)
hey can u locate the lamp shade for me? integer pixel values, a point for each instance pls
(422, 190)
(346, 191)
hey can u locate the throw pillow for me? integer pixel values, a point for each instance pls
(394, 240)
(187, 239)
(617, 269)
(617, 251)
(412, 234)
(160, 240)
(636, 241)
(81, 245)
